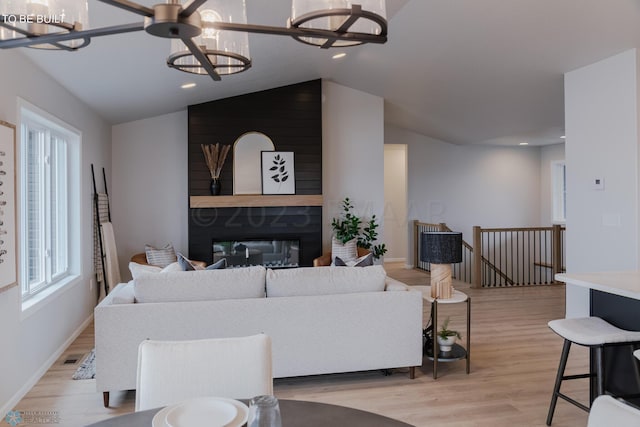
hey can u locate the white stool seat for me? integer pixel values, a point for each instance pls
(607, 411)
(590, 331)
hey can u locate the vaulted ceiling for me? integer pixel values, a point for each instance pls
(463, 71)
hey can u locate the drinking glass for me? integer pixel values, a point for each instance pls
(264, 411)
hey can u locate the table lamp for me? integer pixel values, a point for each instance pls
(441, 249)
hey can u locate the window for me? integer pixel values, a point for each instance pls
(48, 159)
(559, 191)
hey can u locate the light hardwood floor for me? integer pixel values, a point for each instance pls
(513, 364)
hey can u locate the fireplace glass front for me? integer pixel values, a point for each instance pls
(270, 253)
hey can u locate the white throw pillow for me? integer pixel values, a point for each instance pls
(347, 252)
(138, 269)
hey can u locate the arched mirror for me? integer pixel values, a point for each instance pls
(247, 175)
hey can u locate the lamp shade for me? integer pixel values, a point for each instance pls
(228, 51)
(332, 14)
(441, 247)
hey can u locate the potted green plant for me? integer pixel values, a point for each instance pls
(350, 226)
(446, 337)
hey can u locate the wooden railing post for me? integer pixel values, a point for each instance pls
(476, 281)
(556, 251)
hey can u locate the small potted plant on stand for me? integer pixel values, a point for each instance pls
(446, 337)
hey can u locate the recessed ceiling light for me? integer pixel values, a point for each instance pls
(524, 143)
(188, 85)
(339, 55)
(563, 137)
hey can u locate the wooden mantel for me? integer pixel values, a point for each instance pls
(254, 200)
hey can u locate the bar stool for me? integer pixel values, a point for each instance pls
(592, 332)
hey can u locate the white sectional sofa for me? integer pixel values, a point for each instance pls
(321, 319)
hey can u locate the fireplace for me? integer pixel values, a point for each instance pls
(270, 253)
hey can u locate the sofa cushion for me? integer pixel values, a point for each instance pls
(201, 285)
(324, 281)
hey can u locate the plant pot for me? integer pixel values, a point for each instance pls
(216, 187)
(445, 344)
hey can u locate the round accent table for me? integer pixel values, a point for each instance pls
(458, 352)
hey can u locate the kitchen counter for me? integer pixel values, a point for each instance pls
(622, 283)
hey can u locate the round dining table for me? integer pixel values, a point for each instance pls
(294, 413)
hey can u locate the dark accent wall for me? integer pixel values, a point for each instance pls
(292, 117)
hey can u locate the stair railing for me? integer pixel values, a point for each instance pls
(506, 256)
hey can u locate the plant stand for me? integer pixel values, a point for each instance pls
(458, 352)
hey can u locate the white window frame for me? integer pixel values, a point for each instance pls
(67, 269)
(558, 192)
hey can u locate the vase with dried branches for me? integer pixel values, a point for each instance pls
(214, 156)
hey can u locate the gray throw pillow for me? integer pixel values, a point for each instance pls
(363, 261)
(187, 265)
(219, 265)
(184, 263)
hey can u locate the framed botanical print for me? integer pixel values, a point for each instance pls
(278, 172)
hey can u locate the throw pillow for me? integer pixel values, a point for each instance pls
(345, 251)
(184, 263)
(363, 261)
(160, 257)
(139, 269)
(187, 265)
(219, 265)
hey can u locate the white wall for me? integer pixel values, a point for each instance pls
(352, 153)
(464, 186)
(601, 113)
(395, 202)
(548, 155)
(150, 189)
(32, 343)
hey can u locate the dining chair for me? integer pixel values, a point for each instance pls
(173, 371)
(608, 411)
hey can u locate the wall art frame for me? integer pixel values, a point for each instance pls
(278, 172)
(8, 229)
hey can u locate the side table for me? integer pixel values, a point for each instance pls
(458, 352)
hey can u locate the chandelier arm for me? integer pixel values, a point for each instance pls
(189, 8)
(297, 32)
(86, 41)
(202, 58)
(130, 6)
(73, 35)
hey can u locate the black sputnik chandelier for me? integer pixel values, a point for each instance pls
(208, 37)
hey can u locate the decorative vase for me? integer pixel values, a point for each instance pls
(445, 344)
(216, 187)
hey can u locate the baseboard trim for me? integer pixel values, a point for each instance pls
(395, 259)
(33, 380)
